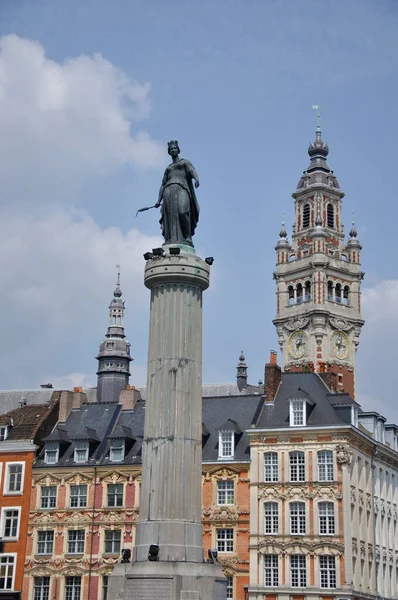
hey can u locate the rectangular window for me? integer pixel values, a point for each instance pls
(326, 518)
(105, 581)
(325, 465)
(48, 497)
(76, 541)
(225, 540)
(225, 492)
(270, 466)
(115, 494)
(13, 479)
(117, 451)
(297, 518)
(270, 517)
(297, 413)
(73, 586)
(3, 434)
(327, 568)
(230, 587)
(298, 571)
(81, 452)
(297, 466)
(51, 453)
(41, 589)
(78, 496)
(112, 541)
(7, 572)
(45, 542)
(10, 523)
(225, 444)
(270, 570)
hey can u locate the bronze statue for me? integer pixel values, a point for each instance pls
(177, 198)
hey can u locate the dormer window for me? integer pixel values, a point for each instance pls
(117, 451)
(297, 413)
(51, 453)
(81, 452)
(226, 444)
(3, 433)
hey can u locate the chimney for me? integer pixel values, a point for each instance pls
(129, 397)
(272, 377)
(65, 405)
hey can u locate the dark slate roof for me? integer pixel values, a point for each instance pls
(341, 399)
(24, 422)
(294, 385)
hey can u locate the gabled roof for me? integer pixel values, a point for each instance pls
(23, 423)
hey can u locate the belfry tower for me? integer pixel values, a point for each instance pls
(318, 279)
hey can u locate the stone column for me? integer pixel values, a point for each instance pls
(171, 493)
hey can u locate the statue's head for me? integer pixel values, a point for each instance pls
(173, 148)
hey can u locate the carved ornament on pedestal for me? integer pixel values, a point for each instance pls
(343, 454)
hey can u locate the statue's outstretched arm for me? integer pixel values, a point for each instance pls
(160, 197)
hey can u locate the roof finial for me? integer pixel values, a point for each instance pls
(317, 107)
(283, 232)
(118, 292)
(353, 232)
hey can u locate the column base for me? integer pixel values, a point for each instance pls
(178, 541)
(167, 581)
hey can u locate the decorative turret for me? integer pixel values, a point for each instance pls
(318, 170)
(241, 372)
(283, 246)
(353, 247)
(114, 353)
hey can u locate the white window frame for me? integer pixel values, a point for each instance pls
(298, 518)
(42, 596)
(325, 465)
(230, 587)
(112, 541)
(302, 406)
(15, 556)
(4, 509)
(271, 466)
(6, 491)
(78, 496)
(114, 496)
(225, 539)
(224, 442)
(119, 447)
(328, 519)
(3, 433)
(329, 570)
(299, 569)
(273, 569)
(45, 542)
(74, 595)
(228, 486)
(80, 446)
(75, 541)
(46, 487)
(297, 465)
(51, 448)
(273, 517)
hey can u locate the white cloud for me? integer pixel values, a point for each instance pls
(380, 303)
(63, 124)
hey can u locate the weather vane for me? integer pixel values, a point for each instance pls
(317, 107)
(118, 266)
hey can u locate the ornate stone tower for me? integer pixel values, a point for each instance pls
(318, 279)
(114, 353)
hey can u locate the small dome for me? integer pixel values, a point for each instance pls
(318, 148)
(118, 292)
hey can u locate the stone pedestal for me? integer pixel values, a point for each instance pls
(171, 493)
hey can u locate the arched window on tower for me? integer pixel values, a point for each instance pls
(330, 291)
(330, 215)
(346, 295)
(307, 291)
(306, 216)
(291, 294)
(338, 293)
(299, 293)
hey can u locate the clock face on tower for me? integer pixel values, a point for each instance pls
(297, 345)
(340, 345)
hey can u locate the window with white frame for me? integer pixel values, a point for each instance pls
(226, 444)
(298, 572)
(271, 466)
(41, 588)
(48, 497)
(325, 465)
(113, 539)
(3, 433)
(271, 578)
(271, 521)
(81, 452)
(230, 587)
(45, 542)
(7, 571)
(297, 518)
(73, 586)
(76, 541)
(326, 518)
(51, 453)
(225, 540)
(327, 571)
(297, 413)
(115, 494)
(78, 496)
(225, 492)
(117, 450)
(297, 466)
(13, 483)
(10, 523)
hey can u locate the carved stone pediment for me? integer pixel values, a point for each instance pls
(77, 518)
(78, 478)
(269, 492)
(115, 477)
(221, 472)
(296, 323)
(224, 514)
(47, 479)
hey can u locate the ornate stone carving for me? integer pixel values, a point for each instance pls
(228, 561)
(297, 323)
(115, 477)
(269, 492)
(341, 324)
(343, 454)
(224, 513)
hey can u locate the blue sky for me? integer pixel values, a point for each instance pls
(89, 94)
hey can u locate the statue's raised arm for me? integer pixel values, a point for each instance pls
(177, 198)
